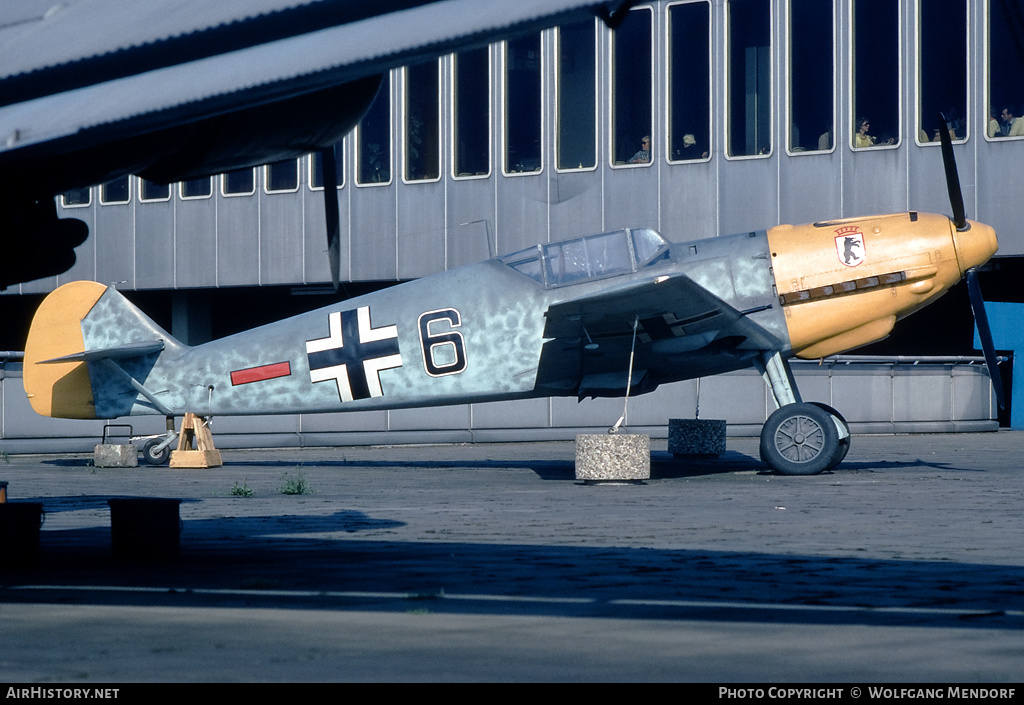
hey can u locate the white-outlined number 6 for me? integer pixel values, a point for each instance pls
(444, 348)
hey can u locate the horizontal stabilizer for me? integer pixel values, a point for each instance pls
(118, 352)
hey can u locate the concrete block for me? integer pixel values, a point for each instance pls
(613, 457)
(116, 455)
(702, 437)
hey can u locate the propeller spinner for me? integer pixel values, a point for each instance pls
(975, 250)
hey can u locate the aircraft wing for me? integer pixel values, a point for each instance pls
(664, 308)
(82, 73)
(92, 90)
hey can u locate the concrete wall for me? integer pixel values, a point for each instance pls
(875, 397)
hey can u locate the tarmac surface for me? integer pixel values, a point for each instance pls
(490, 562)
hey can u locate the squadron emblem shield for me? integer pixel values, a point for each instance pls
(850, 246)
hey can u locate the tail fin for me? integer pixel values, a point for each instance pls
(76, 328)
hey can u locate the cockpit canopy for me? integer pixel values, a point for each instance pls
(590, 257)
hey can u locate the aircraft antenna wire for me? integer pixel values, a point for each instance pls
(696, 411)
(629, 379)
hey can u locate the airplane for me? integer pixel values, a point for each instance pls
(610, 314)
(92, 90)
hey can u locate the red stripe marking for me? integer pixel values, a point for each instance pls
(263, 372)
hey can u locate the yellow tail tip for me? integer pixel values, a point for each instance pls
(63, 389)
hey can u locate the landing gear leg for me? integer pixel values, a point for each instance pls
(799, 438)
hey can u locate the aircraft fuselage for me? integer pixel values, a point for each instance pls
(557, 319)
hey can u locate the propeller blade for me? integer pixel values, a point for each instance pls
(956, 196)
(985, 334)
(332, 216)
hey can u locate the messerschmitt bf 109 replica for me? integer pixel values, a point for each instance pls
(606, 315)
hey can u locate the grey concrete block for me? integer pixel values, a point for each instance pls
(696, 436)
(613, 457)
(116, 455)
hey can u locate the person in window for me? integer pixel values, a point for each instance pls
(994, 126)
(1011, 126)
(936, 135)
(644, 155)
(690, 149)
(861, 138)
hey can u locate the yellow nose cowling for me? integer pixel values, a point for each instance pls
(975, 245)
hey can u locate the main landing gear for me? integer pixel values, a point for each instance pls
(804, 439)
(799, 438)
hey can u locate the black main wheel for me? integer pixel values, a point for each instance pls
(800, 439)
(152, 456)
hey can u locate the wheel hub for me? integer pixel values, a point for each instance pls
(799, 439)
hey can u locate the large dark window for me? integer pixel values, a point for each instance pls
(632, 80)
(240, 182)
(1005, 68)
(472, 113)
(316, 166)
(577, 96)
(811, 82)
(196, 188)
(942, 67)
(152, 191)
(522, 105)
(422, 122)
(689, 84)
(750, 78)
(76, 197)
(116, 190)
(373, 140)
(876, 73)
(282, 176)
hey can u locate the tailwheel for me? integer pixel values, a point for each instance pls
(801, 439)
(153, 456)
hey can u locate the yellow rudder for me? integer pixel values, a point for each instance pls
(61, 389)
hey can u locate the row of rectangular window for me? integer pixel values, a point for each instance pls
(279, 177)
(876, 61)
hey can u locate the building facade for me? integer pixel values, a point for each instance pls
(751, 111)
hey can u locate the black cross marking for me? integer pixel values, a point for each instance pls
(354, 354)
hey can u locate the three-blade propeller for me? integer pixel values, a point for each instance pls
(985, 334)
(956, 202)
(330, 176)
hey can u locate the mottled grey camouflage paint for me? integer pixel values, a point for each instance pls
(503, 319)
